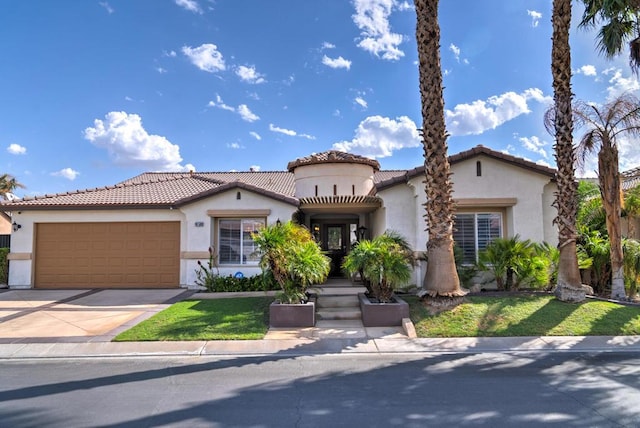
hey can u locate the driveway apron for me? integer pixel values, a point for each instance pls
(49, 316)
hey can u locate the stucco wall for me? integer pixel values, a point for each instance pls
(5, 225)
(199, 239)
(345, 176)
(531, 216)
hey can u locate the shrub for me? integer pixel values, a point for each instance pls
(290, 255)
(4, 265)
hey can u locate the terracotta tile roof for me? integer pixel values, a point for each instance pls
(173, 189)
(149, 190)
(333, 156)
(272, 181)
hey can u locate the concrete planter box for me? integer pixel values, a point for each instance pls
(383, 314)
(292, 315)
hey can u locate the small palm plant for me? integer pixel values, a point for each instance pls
(385, 261)
(509, 259)
(289, 253)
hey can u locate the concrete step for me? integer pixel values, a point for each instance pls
(336, 291)
(345, 301)
(339, 314)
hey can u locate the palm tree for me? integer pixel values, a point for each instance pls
(385, 261)
(621, 24)
(559, 118)
(8, 184)
(441, 278)
(604, 124)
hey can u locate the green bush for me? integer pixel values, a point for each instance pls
(220, 284)
(4, 265)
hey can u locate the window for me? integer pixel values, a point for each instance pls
(478, 169)
(235, 244)
(473, 232)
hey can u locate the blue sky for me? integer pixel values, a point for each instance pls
(93, 92)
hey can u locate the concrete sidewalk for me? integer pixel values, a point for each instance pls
(299, 347)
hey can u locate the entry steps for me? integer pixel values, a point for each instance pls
(337, 300)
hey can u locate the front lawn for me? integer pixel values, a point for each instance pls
(215, 319)
(526, 315)
(245, 318)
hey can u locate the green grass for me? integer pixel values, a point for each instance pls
(533, 315)
(216, 319)
(525, 315)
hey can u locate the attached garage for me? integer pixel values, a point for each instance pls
(107, 255)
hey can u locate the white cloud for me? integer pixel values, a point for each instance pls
(190, 5)
(289, 132)
(456, 51)
(16, 149)
(247, 114)
(249, 75)
(378, 137)
(372, 18)
(336, 62)
(620, 84)
(481, 115)
(254, 168)
(327, 45)
(255, 135)
(68, 173)
(206, 57)
(220, 104)
(534, 144)
(587, 70)
(161, 70)
(170, 54)
(107, 7)
(405, 5)
(284, 131)
(337, 113)
(129, 144)
(361, 102)
(235, 146)
(535, 17)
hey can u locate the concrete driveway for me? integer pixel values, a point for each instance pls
(46, 316)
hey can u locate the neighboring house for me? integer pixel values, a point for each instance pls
(150, 230)
(631, 222)
(5, 224)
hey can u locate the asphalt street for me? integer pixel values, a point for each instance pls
(332, 390)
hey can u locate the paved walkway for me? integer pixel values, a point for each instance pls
(300, 347)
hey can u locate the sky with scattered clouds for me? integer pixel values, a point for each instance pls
(94, 92)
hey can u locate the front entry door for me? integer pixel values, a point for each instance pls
(336, 246)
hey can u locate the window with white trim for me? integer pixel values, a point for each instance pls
(235, 241)
(474, 231)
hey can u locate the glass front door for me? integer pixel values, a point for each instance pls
(335, 244)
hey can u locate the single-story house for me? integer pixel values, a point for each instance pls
(151, 230)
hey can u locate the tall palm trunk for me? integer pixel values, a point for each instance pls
(569, 287)
(609, 178)
(441, 278)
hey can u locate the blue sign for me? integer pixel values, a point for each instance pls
(239, 275)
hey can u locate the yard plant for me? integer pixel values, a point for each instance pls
(384, 261)
(289, 253)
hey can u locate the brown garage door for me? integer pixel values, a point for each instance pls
(109, 255)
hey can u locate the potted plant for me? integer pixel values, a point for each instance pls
(385, 263)
(289, 253)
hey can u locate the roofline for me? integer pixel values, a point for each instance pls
(468, 154)
(241, 185)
